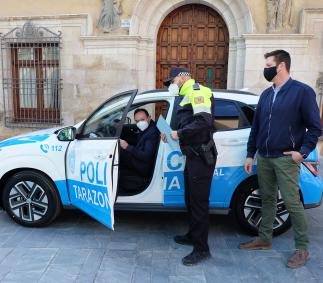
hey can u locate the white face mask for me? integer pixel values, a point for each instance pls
(173, 89)
(142, 125)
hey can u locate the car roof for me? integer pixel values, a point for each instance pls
(237, 95)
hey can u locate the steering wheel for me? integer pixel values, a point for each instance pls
(128, 120)
(111, 129)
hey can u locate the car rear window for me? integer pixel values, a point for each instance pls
(231, 115)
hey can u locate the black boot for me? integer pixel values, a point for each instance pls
(195, 257)
(184, 239)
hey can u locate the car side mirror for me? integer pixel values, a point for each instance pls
(66, 134)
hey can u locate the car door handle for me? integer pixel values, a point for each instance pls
(100, 156)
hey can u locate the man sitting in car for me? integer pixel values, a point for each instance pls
(139, 159)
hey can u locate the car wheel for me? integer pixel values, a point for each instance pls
(30, 198)
(247, 210)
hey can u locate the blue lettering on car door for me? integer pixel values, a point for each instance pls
(90, 192)
(174, 180)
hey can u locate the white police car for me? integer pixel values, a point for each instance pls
(44, 171)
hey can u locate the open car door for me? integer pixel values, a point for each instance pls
(92, 159)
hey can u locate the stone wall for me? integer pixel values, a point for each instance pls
(96, 65)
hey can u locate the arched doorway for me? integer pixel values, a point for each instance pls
(196, 37)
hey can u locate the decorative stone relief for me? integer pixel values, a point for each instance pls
(319, 84)
(110, 15)
(279, 15)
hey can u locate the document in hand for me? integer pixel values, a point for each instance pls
(163, 127)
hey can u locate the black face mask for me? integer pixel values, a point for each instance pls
(270, 73)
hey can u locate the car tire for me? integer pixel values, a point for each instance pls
(247, 209)
(30, 199)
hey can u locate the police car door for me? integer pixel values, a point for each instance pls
(173, 167)
(233, 120)
(92, 159)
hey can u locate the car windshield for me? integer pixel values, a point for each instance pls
(104, 122)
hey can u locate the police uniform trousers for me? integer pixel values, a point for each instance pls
(198, 178)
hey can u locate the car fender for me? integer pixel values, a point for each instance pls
(36, 162)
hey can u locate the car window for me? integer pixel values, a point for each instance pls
(105, 121)
(231, 115)
(249, 112)
(174, 120)
(130, 130)
(154, 108)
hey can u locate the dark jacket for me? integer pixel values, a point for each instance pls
(281, 126)
(143, 153)
(194, 129)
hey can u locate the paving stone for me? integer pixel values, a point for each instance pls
(76, 248)
(79, 241)
(186, 279)
(142, 275)
(17, 237)
(38, 238)
(144, 259)
(22, 276)
(114, 275)
(121, 246)
(91, 266)
(34, 259)
(157, 277)
(71, 256)
(61, 273)
(4, 252)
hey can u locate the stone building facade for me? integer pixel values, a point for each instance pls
(108, 46)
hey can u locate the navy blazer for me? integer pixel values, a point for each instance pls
(144, 151)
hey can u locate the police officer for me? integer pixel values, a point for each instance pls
(195, 129)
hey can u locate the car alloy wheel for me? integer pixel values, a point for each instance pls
(28, 201)
(31, 198)
(252, 210)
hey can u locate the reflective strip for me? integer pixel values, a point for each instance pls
(201, 108)
(185, 100)
(184, 74)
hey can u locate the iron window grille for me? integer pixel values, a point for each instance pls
(31, 76)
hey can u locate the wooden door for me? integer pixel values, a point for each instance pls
(196, 37)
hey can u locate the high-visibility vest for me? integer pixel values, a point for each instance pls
(198, 96)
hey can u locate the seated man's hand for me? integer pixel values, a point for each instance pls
(123, 144)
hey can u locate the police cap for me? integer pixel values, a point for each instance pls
(174, 72)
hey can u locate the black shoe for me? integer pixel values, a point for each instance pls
(184, 240)
(195, 257)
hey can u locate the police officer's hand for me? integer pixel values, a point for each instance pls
(123, 144)
(248, 165)
(174, 135)
(163, 137)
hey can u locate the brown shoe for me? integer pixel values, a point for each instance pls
(256, 244)
(298, 259)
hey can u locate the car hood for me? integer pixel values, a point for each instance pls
(29, 138)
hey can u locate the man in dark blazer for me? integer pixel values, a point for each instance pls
(140, 158)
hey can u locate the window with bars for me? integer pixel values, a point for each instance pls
(31, 76)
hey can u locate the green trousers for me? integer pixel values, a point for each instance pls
(281, 172)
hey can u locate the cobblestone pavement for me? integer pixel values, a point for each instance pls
(76, 248)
